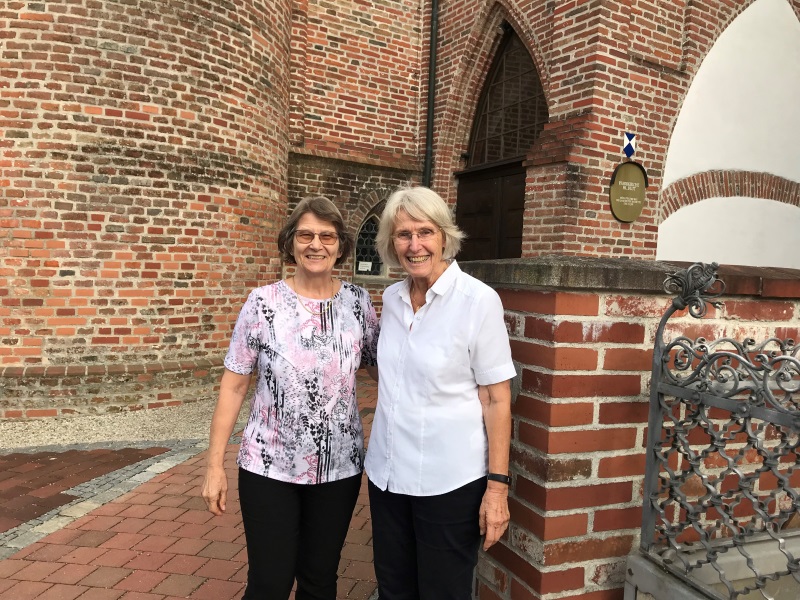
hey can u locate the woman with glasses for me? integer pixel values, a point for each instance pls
(438, 453)
(302, 450)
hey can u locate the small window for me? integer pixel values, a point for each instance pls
(368, 261)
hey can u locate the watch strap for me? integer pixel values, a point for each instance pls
(499, 477)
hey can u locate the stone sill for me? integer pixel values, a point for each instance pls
(624, 274)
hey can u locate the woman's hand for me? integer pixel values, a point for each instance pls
(232, 390)
(494, 515)
(496, 404)
(215, 490)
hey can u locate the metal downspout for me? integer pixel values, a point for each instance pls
(428, 165)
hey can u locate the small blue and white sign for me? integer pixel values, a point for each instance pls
(629, 144)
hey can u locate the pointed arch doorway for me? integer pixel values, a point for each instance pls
(512, 111)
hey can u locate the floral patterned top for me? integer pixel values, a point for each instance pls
(304, 424)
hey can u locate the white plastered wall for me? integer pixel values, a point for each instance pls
(742, 113)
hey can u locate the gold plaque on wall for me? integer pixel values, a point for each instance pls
(627, 191)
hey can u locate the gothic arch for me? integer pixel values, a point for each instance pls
(714, 128)
(367, 203)
(460, 104)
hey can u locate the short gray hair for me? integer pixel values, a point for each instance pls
(421, 204)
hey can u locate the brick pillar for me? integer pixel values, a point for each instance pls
(582, 333)
(143, 172)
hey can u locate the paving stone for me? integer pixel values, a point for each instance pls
(101, 594)
(187, 546)
(218, 569)
(123, 540)
(184, 565)
(49, 552)
(83, 556)
(5, 584)
(141, 581)
(155, 543)
(223, 550)
(93, 539)
(115, 557)
(61, 591)
(214, 589)
(11, 566)
(148, 560)
(36, 571)
(70, 574)
(105, 577)
(80, 509)
(52, 525)
(179, 585)
(26, 590)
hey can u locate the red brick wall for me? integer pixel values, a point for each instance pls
(584, 357)
(143, 179)
(356, 79)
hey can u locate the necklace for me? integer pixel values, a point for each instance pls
(323, 304)
(414, 305)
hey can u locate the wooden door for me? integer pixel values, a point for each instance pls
(489, 208)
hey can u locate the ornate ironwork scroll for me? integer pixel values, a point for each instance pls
(723, 465)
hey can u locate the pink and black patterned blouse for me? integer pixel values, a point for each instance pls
(304, 424)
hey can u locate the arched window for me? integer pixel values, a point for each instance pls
(512, 109)
(368, 261)
(511, 113)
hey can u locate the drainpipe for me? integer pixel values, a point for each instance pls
(427, 167)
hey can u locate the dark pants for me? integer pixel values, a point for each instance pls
(426, 547)
(294, 531)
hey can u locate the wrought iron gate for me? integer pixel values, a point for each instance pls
(721, 484)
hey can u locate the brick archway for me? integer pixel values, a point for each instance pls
(726, 184)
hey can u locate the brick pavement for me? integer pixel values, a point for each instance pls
(34, 484)
(141, 532)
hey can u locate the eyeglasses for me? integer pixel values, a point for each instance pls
(329, 238)
(423, 235)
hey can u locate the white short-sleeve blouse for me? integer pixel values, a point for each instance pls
(428, 435)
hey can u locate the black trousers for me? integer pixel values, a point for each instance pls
(294, 531)
(426, 547)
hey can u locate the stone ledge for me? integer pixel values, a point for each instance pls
(45, 371)
(623, 274)
(64, 391)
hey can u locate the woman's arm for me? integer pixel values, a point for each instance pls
(496, 405)
(373, 372)
(232, 392)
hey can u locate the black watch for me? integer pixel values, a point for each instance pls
(499, 477)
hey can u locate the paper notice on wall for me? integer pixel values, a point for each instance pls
(364, 265)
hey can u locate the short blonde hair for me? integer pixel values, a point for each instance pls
(421, 204)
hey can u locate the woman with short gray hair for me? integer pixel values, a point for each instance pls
(438, 453)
